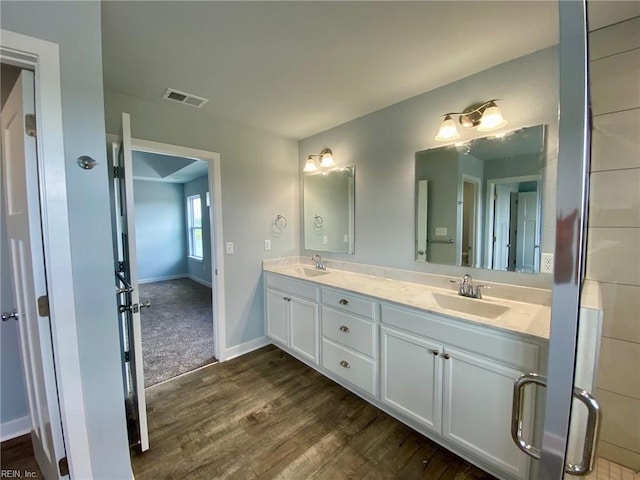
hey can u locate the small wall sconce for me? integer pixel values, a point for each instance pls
(486, 116)
(326, 161)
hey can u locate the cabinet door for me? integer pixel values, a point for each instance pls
(477, 410)
(277, 316)
(304, 328)
(411, 378)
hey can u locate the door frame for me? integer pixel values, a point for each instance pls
(43, 58)
(476, 221)
(215, 220)
(489, 225)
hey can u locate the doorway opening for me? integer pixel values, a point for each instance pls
(173, 244)
(513, 224)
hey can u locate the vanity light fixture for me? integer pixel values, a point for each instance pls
(326, 161)
(486, 116)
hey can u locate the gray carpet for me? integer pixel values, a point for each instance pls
(177, 331)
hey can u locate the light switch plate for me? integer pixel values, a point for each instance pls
(267, 245)
(325, 240)
(546, 263)
(229, 248)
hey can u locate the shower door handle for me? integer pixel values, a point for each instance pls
(591, 431)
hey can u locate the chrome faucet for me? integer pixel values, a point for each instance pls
(467, 289)
(319, 263)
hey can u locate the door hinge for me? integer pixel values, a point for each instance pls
(30, 124)
(127, 356)
(43, 306)
(117, 172)
(63, 466)
(121, 266)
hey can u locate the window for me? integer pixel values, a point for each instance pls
(194, 225)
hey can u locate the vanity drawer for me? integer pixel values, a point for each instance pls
(354, 368)
(294, 287)
(489, 343)
(349, 303)
(348, 330)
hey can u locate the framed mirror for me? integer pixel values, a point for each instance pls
(479, 203)
(328, 210)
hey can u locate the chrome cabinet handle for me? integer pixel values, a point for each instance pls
(344, 328)
(286, 299)
(436, 352)
(343, 301)
(9, 315)
(446, 356)
(344, 364)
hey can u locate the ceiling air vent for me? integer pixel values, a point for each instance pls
(184, 98)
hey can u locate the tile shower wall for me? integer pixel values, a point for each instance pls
(613, 256)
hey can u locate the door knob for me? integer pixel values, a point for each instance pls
(9, 315)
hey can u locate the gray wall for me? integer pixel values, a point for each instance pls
(382, 145)
(259, 181)
(160, 229)
(76, 27)
(197, 268)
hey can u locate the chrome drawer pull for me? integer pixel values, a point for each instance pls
(345, 364)
(436, 352)
(343, 302)
(446, 356)
(344, 328)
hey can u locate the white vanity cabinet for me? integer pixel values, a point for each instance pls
(292, 315)
(349, 338)
(456, 381)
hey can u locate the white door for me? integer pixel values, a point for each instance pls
(501, 228)
(527, 227)
(411, 377)
(278, 317)
(24, 232)
(304, 327)
(130, 301)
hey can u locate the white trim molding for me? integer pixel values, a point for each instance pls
(200, 281)
(163, 279)
(44, 58)
(246, 347)
(15, 428)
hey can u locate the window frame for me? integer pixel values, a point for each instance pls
(192, 228)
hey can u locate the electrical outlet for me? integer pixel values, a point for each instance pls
(229, 248)
(325, 240)
(441, 231)
(267, 245)
(546, 263)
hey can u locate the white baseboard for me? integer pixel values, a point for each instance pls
(162, 279)
(245, 348)
(15, 428)
(199, 280)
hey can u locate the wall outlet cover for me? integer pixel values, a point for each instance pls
(325, 240)
(441, 231)
(546, 263)
(267, 245)
(229, 248)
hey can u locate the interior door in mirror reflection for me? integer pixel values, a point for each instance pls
(487, 194)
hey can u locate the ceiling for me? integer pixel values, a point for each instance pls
(299, 68)
(156, 167)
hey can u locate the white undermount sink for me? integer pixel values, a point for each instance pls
(471, 306)
(312, 272)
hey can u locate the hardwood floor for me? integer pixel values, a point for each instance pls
(268, 416)
(265, 416)
(16, 455)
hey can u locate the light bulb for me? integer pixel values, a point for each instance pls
(448, 130)
(310, 165)
(492, 119)
(326, 160)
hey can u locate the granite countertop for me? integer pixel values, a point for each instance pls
(524, 318)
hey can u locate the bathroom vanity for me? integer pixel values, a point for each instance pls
(443, 364)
